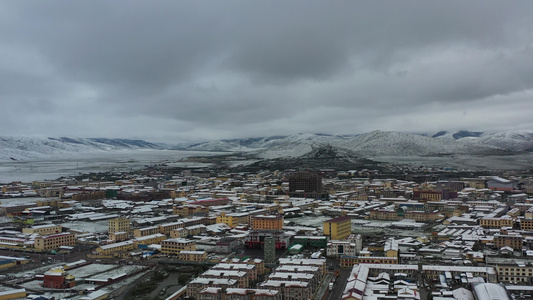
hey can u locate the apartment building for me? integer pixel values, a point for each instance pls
(338, 228)
(175, 246)
(243, 280)
(238, 294)
(43, 229)
(267, 222)
(495, 222)
(195, 286)
(290, 290)
(192, 256)
(516, 273)
(119, 225)
(115, 249)
(140, 232)
(233, 219)
(189, 210)
(54, 241)
(513, 241)
(149, 239)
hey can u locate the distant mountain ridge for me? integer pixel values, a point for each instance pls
(368, 145)
(23, 148)
(382, 143)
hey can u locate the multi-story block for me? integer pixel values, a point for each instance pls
(175, 246)
(320, 263)
(145, 231)
(118, 225)
(54, 241)
(238, 294)
(195, 286)
(338, 228)
(193, 256)
(149, 239)
(43, 229)
(234, 219)
(270, 222)
(250, 270)
(290, 290)
(118, 236)
(115, 249)
(513, 241)
(515, 273)
(189, 210)
(243, 280)
(495, 222)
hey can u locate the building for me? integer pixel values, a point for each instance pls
(227, 245)
(350, 247)
(238, 294)
(116, 249)
(189, 210)
(338, 228)
(271, 222)
(496, 183)
(145, 231)
(513, 241)
(43, 229)
(118, 225)
(520, 273)
(54, 241)
(58, 279)
(305, 182)
(175, 246)
(192, 256)
(234, 219)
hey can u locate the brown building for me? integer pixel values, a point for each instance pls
(306, 182)
(513, 241)
(270, 222)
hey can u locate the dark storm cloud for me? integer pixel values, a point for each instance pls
(212, 69)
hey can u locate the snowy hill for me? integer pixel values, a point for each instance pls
(23, 148)
(382, 143)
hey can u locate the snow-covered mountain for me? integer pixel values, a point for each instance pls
(383, 143)
(368, 145)
(23, 148)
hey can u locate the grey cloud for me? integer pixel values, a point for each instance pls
(237, 67)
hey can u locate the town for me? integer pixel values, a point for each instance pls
(200, 233)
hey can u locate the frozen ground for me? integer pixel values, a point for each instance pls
(76, 163)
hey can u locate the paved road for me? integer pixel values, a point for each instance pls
(338, 288)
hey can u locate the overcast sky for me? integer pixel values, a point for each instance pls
(177, 71)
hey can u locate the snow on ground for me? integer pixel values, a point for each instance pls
(92, 226)
(127, 269)
(90, 270)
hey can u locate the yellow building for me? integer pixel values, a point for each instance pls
(49, 242)
(196, 256)
(189, 210)
(119, 225)
(43, 229)
(145, 231)
(179, 233)
(504, 221)
(118, 236)
(149, 240)
(175, 246)
(271, 222)
(339, 228)
(13, 294)
(233, 220)
(112, 249)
